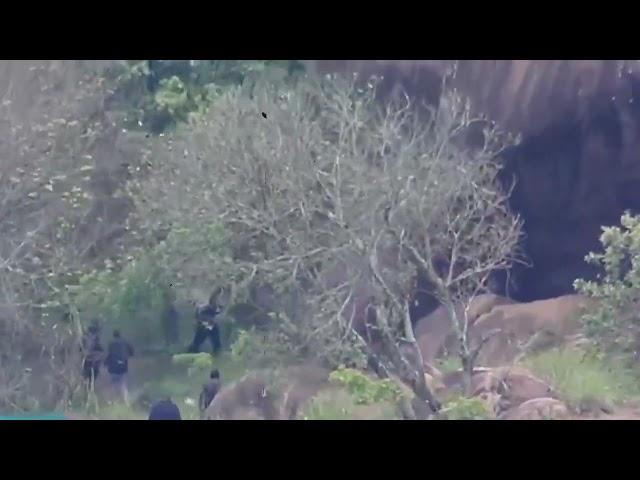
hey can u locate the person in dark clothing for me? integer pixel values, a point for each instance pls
(92, 352)
(170, 326)
(209, 391)
(164, 409)
(206, 328)
(118, 353)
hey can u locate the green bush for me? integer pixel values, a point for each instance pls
(167, 94)
(131, 300)
(462, 408)
(613, 323)
(583, 379)
(196, 363)
(364, 389)
(341, 405)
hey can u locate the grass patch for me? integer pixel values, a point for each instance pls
(583, 380)
(338, 404)
(119, 411)
(461, 408)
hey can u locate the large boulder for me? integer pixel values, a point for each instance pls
(501, 388)
(524, 327)
(434, 332)
(538, 409)
(269, 395)
(578, 165)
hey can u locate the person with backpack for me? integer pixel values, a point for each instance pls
(209, 391)
(118, 353)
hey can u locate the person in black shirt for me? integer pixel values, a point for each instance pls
(118, 353)
(206, 328)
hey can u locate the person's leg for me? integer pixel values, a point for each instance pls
(199, 337)
(214, 335)
(124, 389)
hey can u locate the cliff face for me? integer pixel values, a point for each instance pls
(578, 166)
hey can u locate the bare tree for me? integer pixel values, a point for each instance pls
(53, 123)
(337, 203)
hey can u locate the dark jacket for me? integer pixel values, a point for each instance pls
(118, 354)
(206, 314)
(164, 410)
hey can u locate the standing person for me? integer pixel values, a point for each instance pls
(207, 326)
(209, 391)
(92, 353)
(165, 409)
(118, 353)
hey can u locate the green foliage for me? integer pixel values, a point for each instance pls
(322, 409)
(614, 322)
(463, 408)
(194, 255)
(449, 364)
(196, 363)
(259, 348)
(339, 404)
(364, 389)
(132, 299)
(173, 90)
(583, 379)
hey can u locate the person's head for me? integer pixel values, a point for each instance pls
(94, 329)
(116, 334)
(215, 374)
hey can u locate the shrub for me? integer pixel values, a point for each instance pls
(364, 389)
(614, 322)
(462, 408)
(583, 379)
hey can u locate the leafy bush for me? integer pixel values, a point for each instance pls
(162, 93)
(196, 363)
(614, 322)
(132, 299)
(463, 408)
(583, 379)
(364, 389)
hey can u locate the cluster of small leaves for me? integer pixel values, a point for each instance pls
(364, 389)
(463, 408)
(614, 322)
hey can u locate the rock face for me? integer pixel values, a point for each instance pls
(578, 166)
(434, 332)
(538, 409)
(261, 395)
(529, 326)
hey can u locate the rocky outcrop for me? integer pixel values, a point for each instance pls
(578, 166)
(269, 395)
(538, 409)
(526, 327)
(434, 332)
